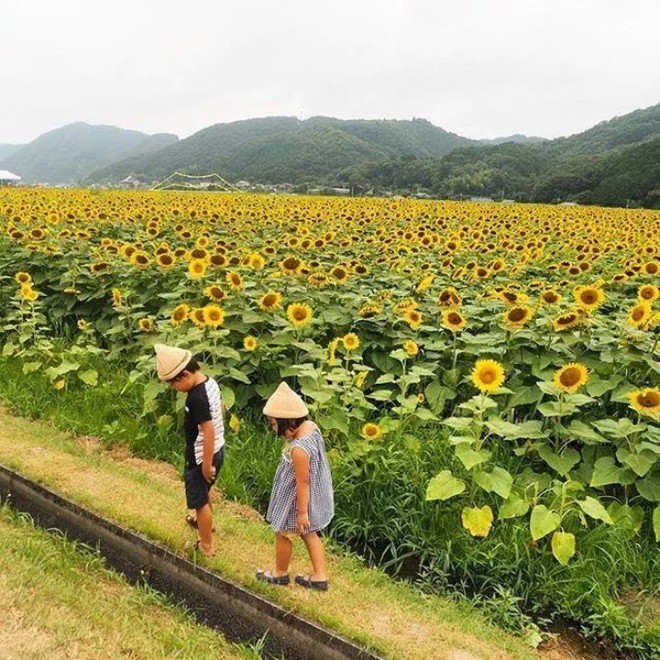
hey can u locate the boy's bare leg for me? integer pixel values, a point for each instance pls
(317, 555)
(205, 529)
(283, 550)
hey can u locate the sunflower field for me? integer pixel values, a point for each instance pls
(494, 365)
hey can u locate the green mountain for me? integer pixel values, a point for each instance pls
(281, 149)
(69, 153)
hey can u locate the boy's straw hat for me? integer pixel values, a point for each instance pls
(284, 403)
(170, 360)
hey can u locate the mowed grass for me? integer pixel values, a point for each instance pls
(364, 604)
(59, 602)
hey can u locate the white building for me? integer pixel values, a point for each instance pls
(7, 177)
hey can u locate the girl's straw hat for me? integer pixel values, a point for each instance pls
(171, 361)
(284, 403)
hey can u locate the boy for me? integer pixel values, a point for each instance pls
(204, 432)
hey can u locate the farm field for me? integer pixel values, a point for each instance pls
(487, 375)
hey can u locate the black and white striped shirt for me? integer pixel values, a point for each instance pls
(203, 404)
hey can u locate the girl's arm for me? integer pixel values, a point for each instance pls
(208, 431)
(300, 460)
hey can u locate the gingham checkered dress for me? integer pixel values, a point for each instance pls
(282, 509)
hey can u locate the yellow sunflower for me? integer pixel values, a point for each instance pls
(197, 268)
(197, 317)
(568, 319)
(414, 318)
(639, 314)
(648, 293)
(453, 320)
(488, 375)
(215, 292)
(23, 278)
(146, 325)
(516, 317)
(165, 261)
(449, 297)
(646, 402)
(571, 377)
(332, 352)
(351, 341)
(234, 280)
(551, 297)
(250, 343)
(140, 259)
(589, 297)
(371, 431)
(299, 314)
(411, 347)
(339, 274)
(180, 314)
(116, 298)
(270, 301)
(213, 316)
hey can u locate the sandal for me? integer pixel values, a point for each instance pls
(308, 583)
(267, 576)
(192, 521)
(198, 548)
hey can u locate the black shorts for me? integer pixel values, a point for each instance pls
(197, 488)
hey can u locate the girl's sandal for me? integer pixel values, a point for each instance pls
(198, 548)
(192, 521)
(308, 583)
(267, 576)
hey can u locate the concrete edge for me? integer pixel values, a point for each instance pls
(240, 614)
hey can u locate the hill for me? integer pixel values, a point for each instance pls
(7, 150)
(279, 149)
(69, 153)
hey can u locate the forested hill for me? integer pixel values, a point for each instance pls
(615, 163)
(70, 153)
(280, 149)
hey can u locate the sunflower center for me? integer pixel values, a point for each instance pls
(454, 318)
(570, 377)
(589, 297)
(649, 399)
(487, 376)
(516, 315)
(638, 314)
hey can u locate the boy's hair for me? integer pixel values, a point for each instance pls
(191, 367)
(284, 425)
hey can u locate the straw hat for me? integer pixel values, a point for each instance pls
(284, 403)
(170, 361)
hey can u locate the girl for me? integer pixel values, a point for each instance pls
(301, 501)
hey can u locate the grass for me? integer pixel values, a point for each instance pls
(393, 618)
(59, 602)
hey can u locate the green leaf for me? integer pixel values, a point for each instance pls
(498, 481)
(656, 523)
(530, 430)
(380, 395)
(562, 463)
(563, 547)
(469, 457)
(89, 377)
(584, 432)
(542, 521)
(649, 487)
(639, 463)
(443, 486)
(626, 517)
(477, 521)
(597, 387)
(556, 409)
(606, 472)
(30, 367)
(594, 509)
(228, 396)
(513, 508)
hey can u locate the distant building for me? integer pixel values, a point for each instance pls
(481, 199)
(8, 178)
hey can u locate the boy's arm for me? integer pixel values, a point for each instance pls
(300, 460)
(208, 431)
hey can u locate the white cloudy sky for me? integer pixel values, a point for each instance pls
(480, 68)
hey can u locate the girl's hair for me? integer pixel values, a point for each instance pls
(284, 425)
(192, 366)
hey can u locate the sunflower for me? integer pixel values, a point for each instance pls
(215, 292)
(589, 297)
(180, 314)
(371, 431)
(213, 316)
(23, 278)
(291, 265)
(411, 347)
(140, 259)
(339, 274)
(116, 298)
(28, 293)
(571, 377)
(449, 297)
(359, 379)
(332, 351)
(425, 283)
(512, 298)
(234, 280)
(270, 301)
(516, 317)
(646, 402)
(218, 260)
(82, 324)
(319, 278)
(368, 311)
(256, 261)
(59, 384)
(146, 325)
(197, 268)
(639, 314)
(414, 318)
(651, 268)
(250, 343)
(648, 292)
(99, 267)
(404, 306)
(197, 317)
(299, 314)
(551, 297)
(453, 320)
(165, 261)
(569, 319)
(351, 341)
(488, 375)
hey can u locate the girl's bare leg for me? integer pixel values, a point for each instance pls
(205, 529)
(317, 555)
(283, 550)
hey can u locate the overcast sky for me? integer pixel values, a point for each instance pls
(480, 68)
